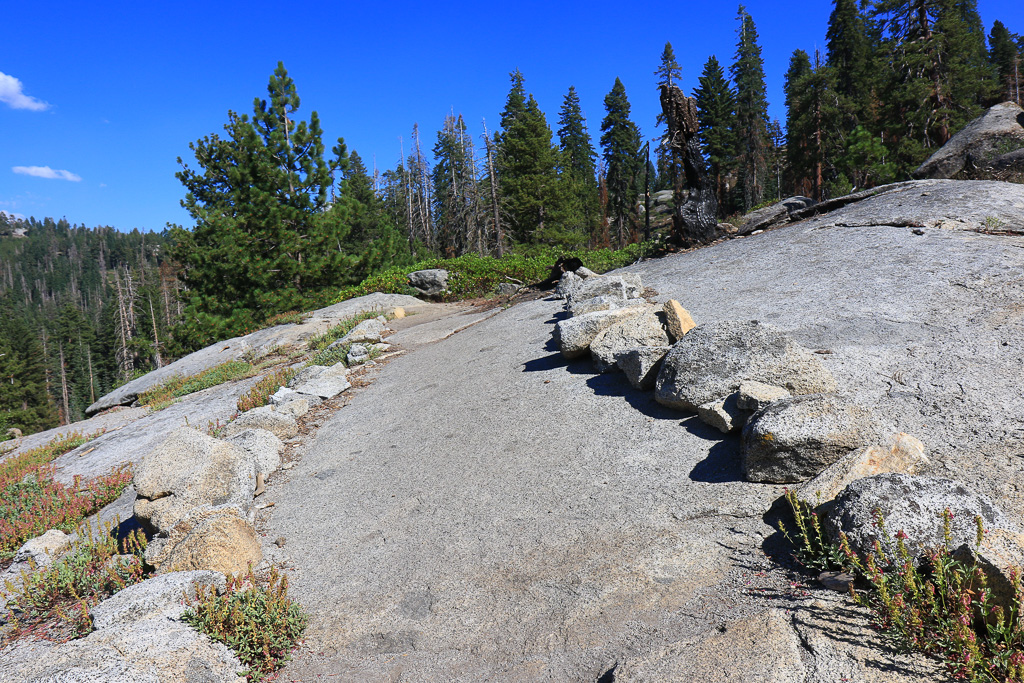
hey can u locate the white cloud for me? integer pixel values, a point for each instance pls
(11, 214)
(10, 92)
(47, 172)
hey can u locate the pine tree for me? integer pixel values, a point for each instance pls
(1005, 57)
(848, 59)
(526, 165)
(620, 139)
(751, 111)
(454, 177)
(814, 127)
(716, 106)
(577, 172)
(263, 238)
(940, 76)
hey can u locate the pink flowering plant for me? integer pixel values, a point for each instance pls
(940, 605)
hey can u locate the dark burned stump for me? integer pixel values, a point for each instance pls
(696, 220)
(562, 265)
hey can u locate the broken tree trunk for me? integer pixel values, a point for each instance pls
(695, 221)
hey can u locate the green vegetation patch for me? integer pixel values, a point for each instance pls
(260, 393)
(54, 603)
(31, 502)
(471, 276)
(164, 394)
(941, 607)
(322, 341)
(255, 619)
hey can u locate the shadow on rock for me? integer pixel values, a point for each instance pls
(723, 461)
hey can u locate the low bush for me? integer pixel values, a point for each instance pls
(54, 602)
(940, 606)
(286, 318)
(256, 620)
(336, 332)
(32, 502)
(164, 394)
(260, 393)
(472, 276)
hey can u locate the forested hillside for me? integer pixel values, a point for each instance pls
(282, 223)
(83, 310)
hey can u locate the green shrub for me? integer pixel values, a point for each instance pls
(322, 341)
(471, 276)
(940, 606)
(260, 393)
(164, 394)
(258, 622)
(54, 603)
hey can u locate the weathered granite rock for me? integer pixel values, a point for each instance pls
(645, 329)
(139, 638)
(724, 414)
(191, 469)
(713, 359)
(910, 504)
(795, 438)
(603, 303)
(357, 355)
(756, 395)
(763, 218)
(508, 288)
(296, 407)
(575, 334)
(328, 383)
(1000, 556)
(263, 446)
(906, 456)
(211, 538)
(585, 272)
(264, 417)
(623, 286)
(641, 364)
(568, 285)
(678, 320)
(367, 332)
(43, 550)
(770, 654)
(284, 395)
(159, 596)
(978, 142)
(432, 282)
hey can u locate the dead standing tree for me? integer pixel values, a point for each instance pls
(696, 220)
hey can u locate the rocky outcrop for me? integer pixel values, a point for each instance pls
(997, 131)
(262, 446)
(621, 287)
(906, 456)
(215, 538)
(325, 383)
(754, 396)
(575, 334)
(645, 329)
(641, 364)
(913, 505)
(795, 438)
(725, 415)
(677, 320)
(282, 424)
(430, 283)
(139, 637)
(603, 303)
(188, 470)
(712, 360)
(769, 216)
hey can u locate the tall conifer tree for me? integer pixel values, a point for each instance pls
(1005, 57)
(716, 106)
(620, 139)
(669, 73)
(577, 170)
(751, 111)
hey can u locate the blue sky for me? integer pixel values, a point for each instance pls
(97, 100)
